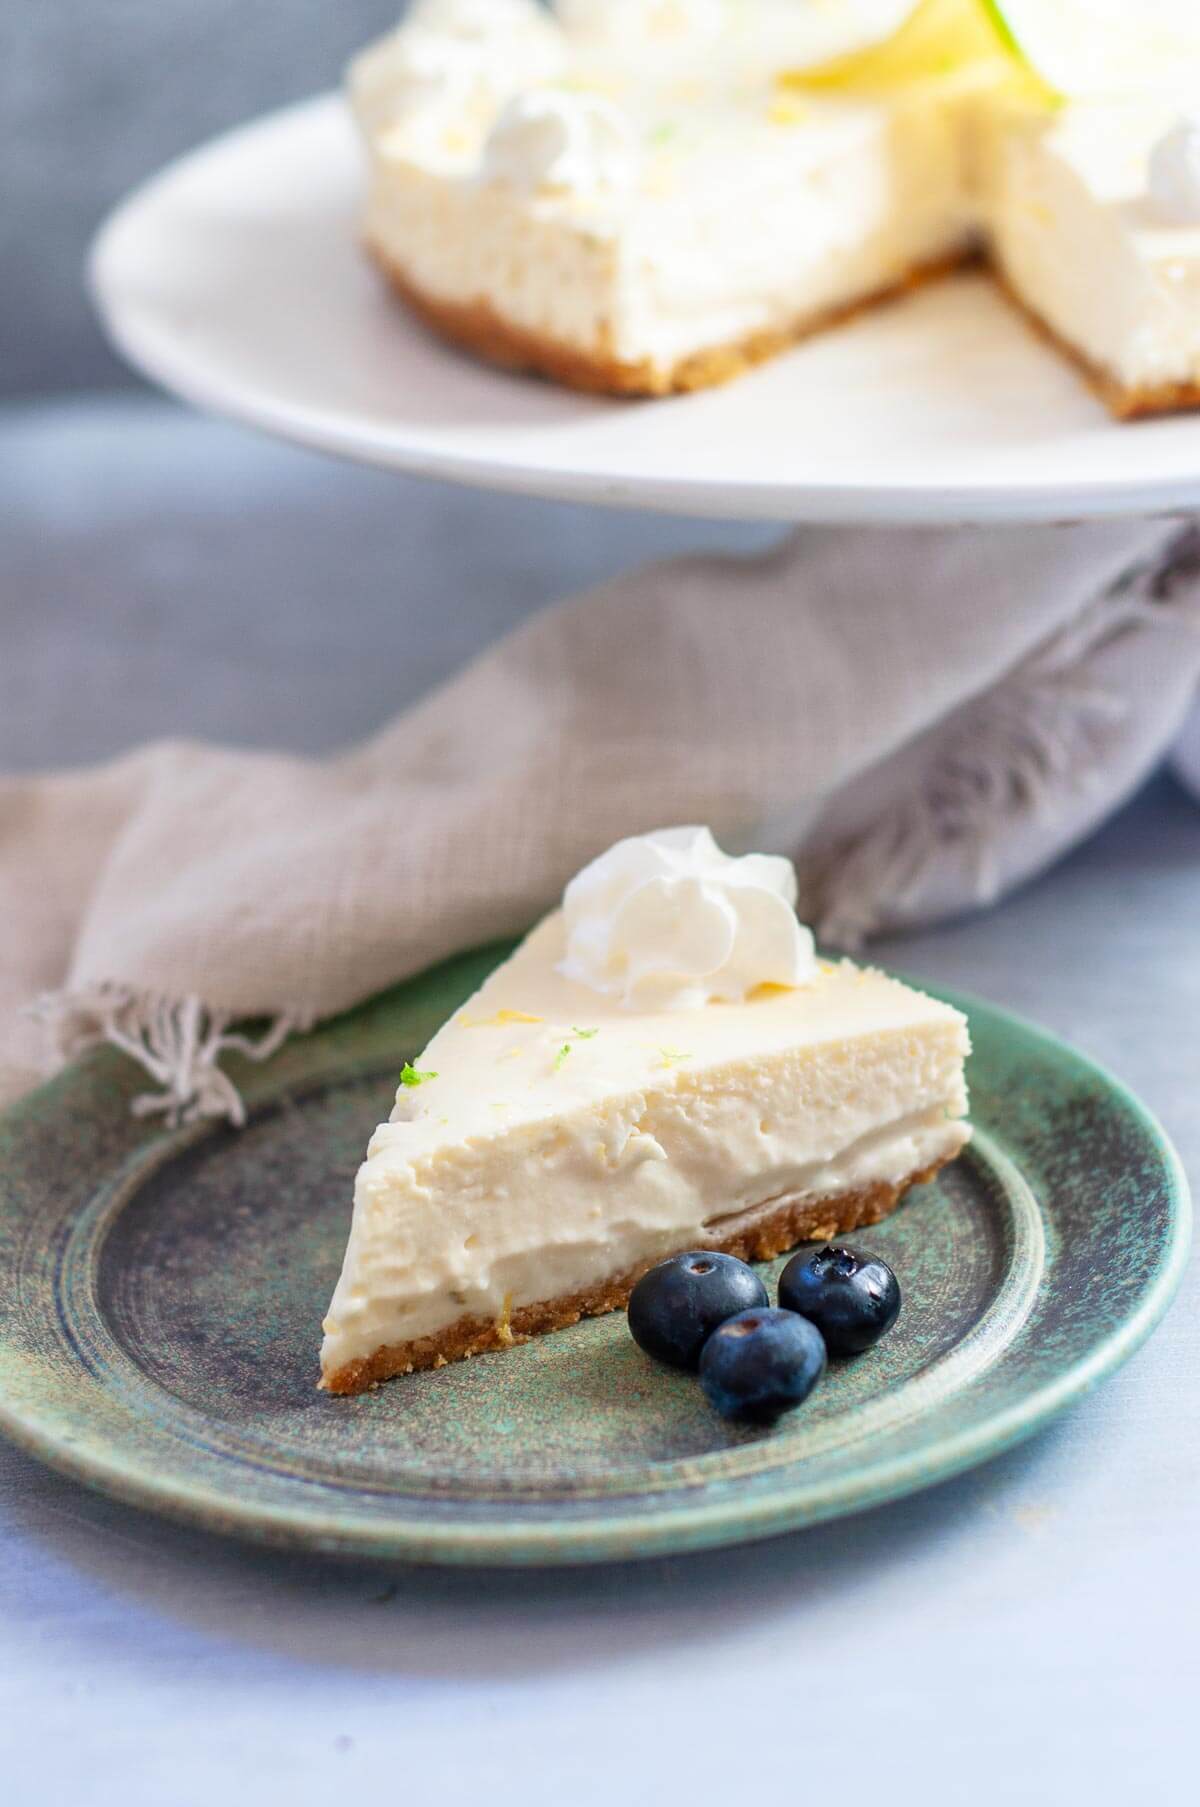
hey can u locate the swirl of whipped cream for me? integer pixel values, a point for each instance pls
(550, 140)
(453, 55)
(667, 921)
(1173, 173)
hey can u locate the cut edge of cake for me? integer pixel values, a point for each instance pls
(1124, 401)
(795, 1219)
(478, 327)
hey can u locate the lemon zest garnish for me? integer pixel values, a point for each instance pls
(499, 1019)
(788, 109)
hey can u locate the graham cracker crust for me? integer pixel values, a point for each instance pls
(1122, 403)
(477, 327)
(793, 1221)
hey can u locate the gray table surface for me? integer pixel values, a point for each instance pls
(1026, 1633)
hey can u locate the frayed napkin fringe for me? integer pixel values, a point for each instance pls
(179, 1042)
(1023, 748)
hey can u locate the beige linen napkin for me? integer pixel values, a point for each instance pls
(922, 718)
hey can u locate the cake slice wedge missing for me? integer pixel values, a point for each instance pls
(553, 1141)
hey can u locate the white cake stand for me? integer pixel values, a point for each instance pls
(235, 279)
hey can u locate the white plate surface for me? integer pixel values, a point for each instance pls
(235, 278)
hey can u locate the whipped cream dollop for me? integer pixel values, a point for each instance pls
(668, 921)
(552, 140)
(639, 20)
(1173, 174)
(454, 55)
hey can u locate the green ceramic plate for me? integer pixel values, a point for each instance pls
(161, 1296)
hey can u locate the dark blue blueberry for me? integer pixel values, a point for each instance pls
(851, 1297)
(675, 1307)
(761, 1363)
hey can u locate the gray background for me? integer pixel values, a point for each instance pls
(1026, 1633)
(97, 94)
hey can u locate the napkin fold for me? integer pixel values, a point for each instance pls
(921, 718)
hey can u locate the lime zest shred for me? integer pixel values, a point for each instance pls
(936, 37)
(414, 1076)
(583, 1035)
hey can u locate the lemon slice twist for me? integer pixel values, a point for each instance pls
(1058, 48)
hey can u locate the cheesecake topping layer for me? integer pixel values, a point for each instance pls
(666, 920)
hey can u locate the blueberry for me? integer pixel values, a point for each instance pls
(851, 1297)
(675, 1307)
(761, 1363)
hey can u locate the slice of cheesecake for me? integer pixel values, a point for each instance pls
(742, 236)
(590, 1111)
(1092, 218)
(651, 196)
(640, 223)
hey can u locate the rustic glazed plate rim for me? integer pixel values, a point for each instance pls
(44, 1430)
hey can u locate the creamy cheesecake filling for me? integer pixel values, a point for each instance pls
(481, 1226)
(848, 199)
(1075, 226)
(634, 203)
(663, 1063)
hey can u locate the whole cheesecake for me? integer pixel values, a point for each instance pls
(640, 197)
(663, 1064)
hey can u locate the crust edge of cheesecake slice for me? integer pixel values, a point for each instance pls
(481, 328)
(852, 1092)
(793, 1219)
(1124, 401)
